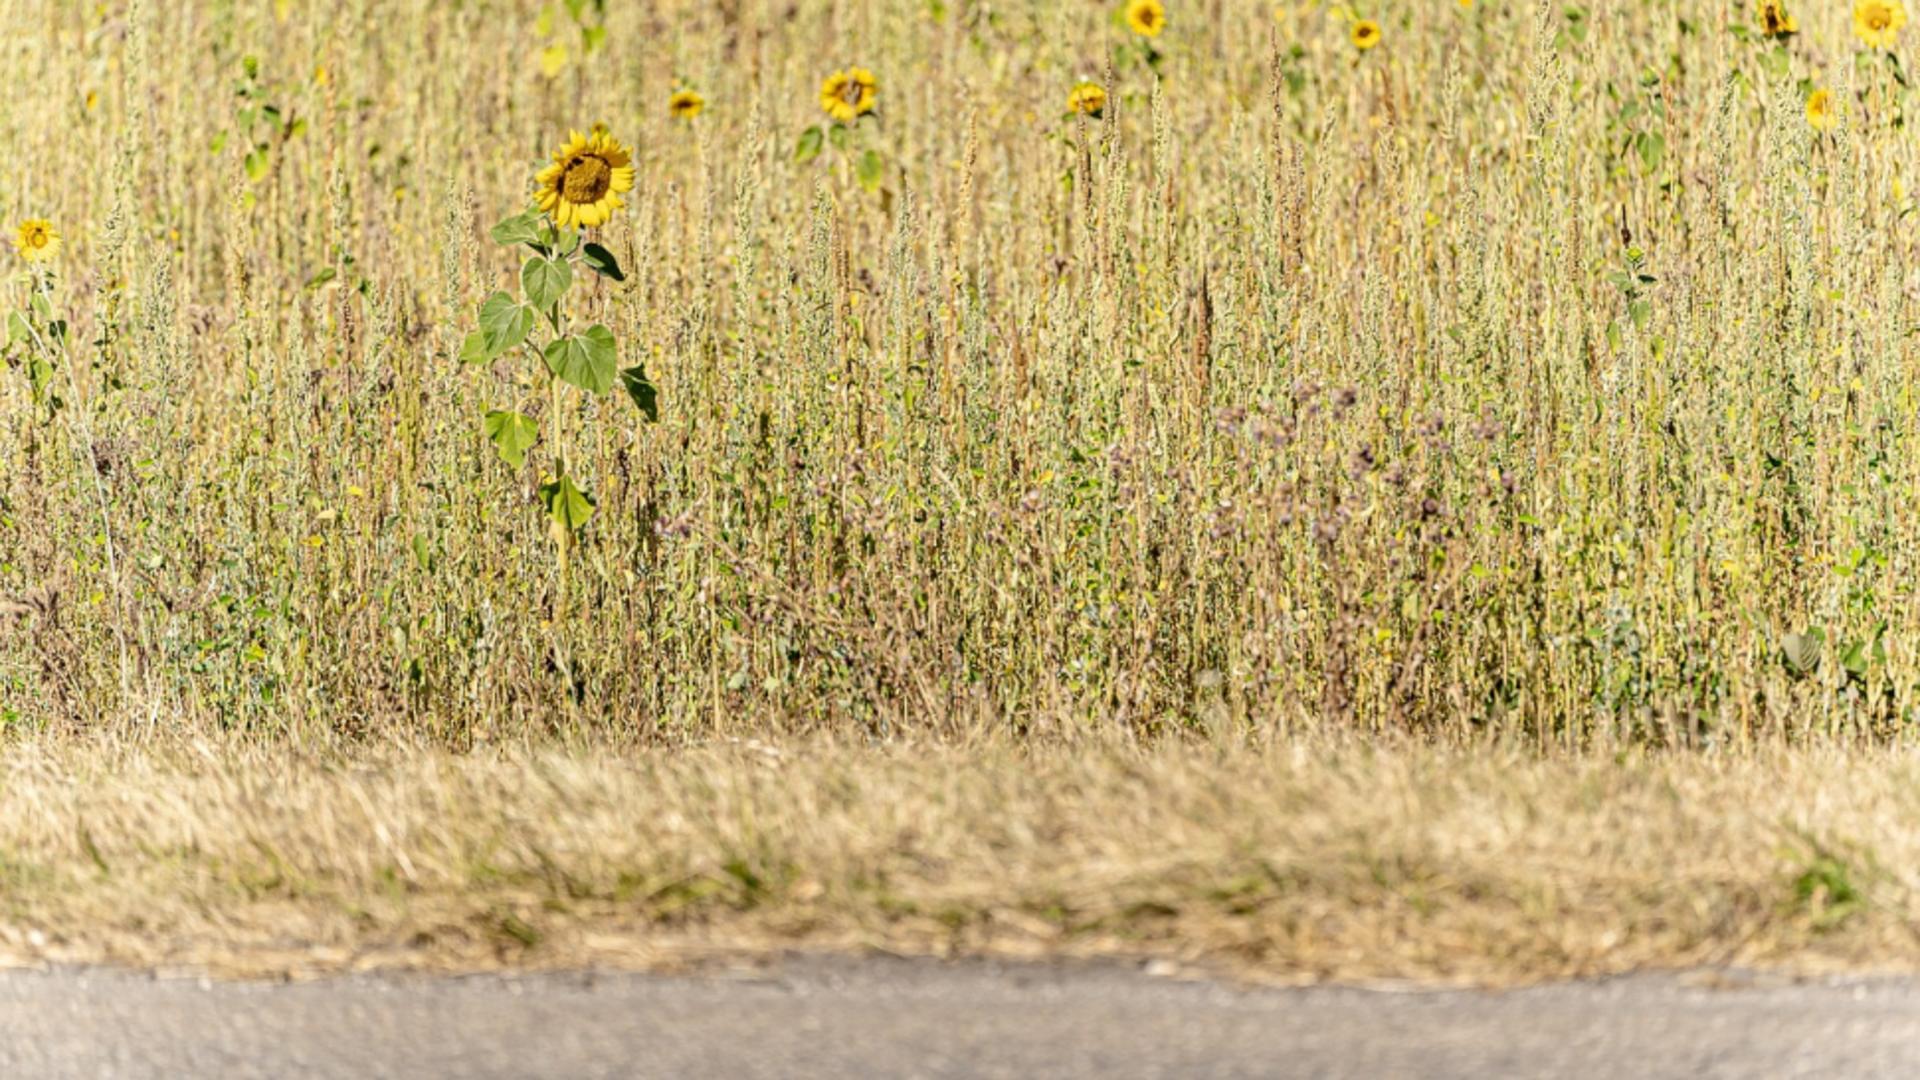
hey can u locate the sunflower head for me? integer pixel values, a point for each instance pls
(1775, 21)
(1088, 98)
(1365, 34)
(1878, 22)
(36, 240)
(850, 94)
(583, 185)
(685, 104)
(1821, 113)
(1146, 17)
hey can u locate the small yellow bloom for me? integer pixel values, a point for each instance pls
(553, 60)
(1775, 21)
(685, 104)
(1878, 22)
(1365, 34)
(37, 240)
(582, 187)
(1146, 17)
(1820, 110)
(93, 100)
(848, 95)
(1087, 97)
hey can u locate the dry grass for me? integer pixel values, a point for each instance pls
(1537, 378)
(1304, 387)
(1269, 863)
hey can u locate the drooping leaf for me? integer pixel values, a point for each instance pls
(645, 395)
(512, 435)
(588, 360)
(601, 261)
(567, 506)
(504, 322)
(545, 281)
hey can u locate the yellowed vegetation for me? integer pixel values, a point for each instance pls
(1532, 370)
(1264, 863)
(1433, 375)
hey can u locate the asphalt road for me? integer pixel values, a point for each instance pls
(825, 1018)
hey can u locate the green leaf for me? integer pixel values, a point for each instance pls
(39, 374)
(546, 281)
(512, 434)
(18, 333)
(474, 349)
(601, 261)
(505, 323)
(568, 506)
(521, 228)
(592, 37)
(325, 275)
(645, 395)
(838, 135)
(809, 147)
(870, 170)
(257, 164)
(588, 360)
(1653, 147)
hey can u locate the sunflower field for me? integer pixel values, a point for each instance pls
(476, 370)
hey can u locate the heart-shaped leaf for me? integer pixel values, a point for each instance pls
(810, 143)
(474, 349)
(588, 360)
(521, 228)
(512, 435)
(504, 322)
(567, 506)
(546, 281)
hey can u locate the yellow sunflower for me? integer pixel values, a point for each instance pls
(850, 94)
(1821, 112)
(1776, 21)
(583, 185)
(37, 240)
(1365, 34)
(685, 104)
(1087, 97)
(1146, 17)
(1878, 22)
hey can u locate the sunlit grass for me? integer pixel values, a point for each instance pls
(1543, 373)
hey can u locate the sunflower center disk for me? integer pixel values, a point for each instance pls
(587, 179)
(850, 92)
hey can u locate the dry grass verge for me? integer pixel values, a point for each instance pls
(1271, 863)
